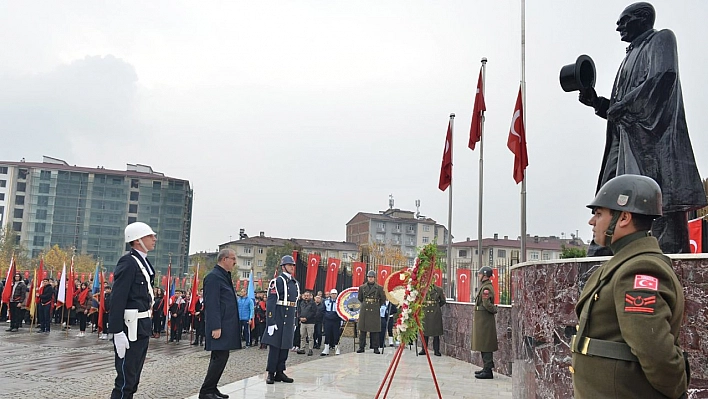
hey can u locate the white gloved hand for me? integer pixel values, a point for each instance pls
(121, 343)
(271, 329)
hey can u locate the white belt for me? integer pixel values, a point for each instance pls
(142, 315)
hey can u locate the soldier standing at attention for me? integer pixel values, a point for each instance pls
(281, 306)
(371, 296)
(484, 328)
(630, 310)
(433, 324)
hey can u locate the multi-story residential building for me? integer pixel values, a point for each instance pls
(503, 251)
(398, 228)
(52, 202)
(251, 251)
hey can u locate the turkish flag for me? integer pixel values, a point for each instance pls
(70, 287)
(495, 283)
(463, 285)
(383, 273)
(358, 273)
(7, 290)
(110, 278)
(313, 263)
(517, 141)
(446, 168)
(165, 304)
(437, 277)
(332, 271)
(477, 113)
(695, 235)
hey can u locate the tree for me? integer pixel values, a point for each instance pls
(205, 266)
(273, 256)
(572, 252)
(10, 247)
(55, 257)
(379, 253)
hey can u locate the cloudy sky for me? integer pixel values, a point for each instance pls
(289, 117)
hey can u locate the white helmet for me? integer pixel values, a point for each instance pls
(137, 230)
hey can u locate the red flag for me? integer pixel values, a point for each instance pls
(70, 287)
(383, 273)
(38, 283)
(7, 291)
(695, 235)
(517, 140)
(238, 284)
(313, 263)
(437, 277)
(446, 168)
(495, 283)
(477, 113)
(101, 305)
(358, 273)
(332, 272)
(463, 285)
(260, 283)
(164, 280)
(165, 301)
(110, 278)
(195, 290)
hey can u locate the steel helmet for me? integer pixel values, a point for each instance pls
(631, 193)
(137, 230)
(287, 260)
(371, 273)
(486, 270)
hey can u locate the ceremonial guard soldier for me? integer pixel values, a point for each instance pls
(281, 307)
(371, 296)
(433, 323)
(484, 327)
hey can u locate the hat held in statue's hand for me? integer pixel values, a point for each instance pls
(579, 75)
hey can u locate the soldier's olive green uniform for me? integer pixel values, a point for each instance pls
(484, 325)
(432, 321)
(371, 297)
(629, 315)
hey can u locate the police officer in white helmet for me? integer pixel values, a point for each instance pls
(131, 301)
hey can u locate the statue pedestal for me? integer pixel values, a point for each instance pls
(544, 295)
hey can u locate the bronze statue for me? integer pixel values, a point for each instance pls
(646, 125)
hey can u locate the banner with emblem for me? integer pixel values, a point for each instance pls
(358, 273)
(332, 272)
(695, 235)
(463, 285)
(495, 284)
(383, 272)
(437, 277)
(313, 263)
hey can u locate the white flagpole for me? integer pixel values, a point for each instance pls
(481, 172)
(522, 255)
(449, 214)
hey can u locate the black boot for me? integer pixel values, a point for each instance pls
(478, 372)
(486, 374)
(280, 376)
(270, 379)
(376, 351)
(422, 352)
(196, 342)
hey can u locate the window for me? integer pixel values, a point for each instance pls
(248, 263)
(247, 250)
(45, 175)
(133, 208)
(260, 262)
(546, 256)
(426, 228)
(258, 275)
(382, 226)
(116, 181)
(41, 214)
(398, 227)
(3, 183)
(155, 197)
(22, 174)
(501, 253)
(17, 227)
(154, 223)
(132, 219)
(134, 183)
(245, 274)
(19, 200)
(534, 255)
(40, 227)
(2, 196)
(38, 241)
(156, 185)
(3, 170)
(426, 239)
(18, 213)
(155, 210)
(379, 237)
(260, 250)
(134, 195)
(21, 187)
(411, 229)
(462, 253)
(44, 188)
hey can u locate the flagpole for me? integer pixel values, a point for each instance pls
(481, 173)
(449, 214)
(522, 255)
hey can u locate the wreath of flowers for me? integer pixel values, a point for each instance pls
(420, 279)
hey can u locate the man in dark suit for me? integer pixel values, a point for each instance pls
(221, 321)
(281, 307)
(131, 301)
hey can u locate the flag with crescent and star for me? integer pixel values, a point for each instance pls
(358, 273)
(332, 272)
(383, 272)
(463, 285)
(313, 263)
(517, 140)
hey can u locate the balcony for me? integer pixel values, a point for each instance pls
(245, 255)
(410, 231)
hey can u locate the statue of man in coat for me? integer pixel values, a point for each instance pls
(647, 132)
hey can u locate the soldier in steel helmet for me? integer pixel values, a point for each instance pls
(131, 301)
(484, 327)
(630, 310)
(371, 296)
(281, 307)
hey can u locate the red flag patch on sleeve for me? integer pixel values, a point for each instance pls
(639, 302)
(485, 294)
(644, 282)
